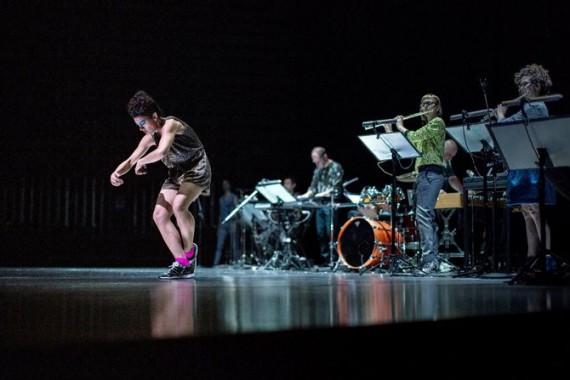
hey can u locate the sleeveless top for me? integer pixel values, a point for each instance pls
(186, 159)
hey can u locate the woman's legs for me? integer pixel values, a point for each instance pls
(187, 194)
(176, 202)
(531, 215)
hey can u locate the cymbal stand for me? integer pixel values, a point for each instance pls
(393, 258)
(332, 244)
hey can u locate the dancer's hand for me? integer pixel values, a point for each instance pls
(115, 180)
(140, 169)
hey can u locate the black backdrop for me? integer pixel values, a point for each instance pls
(262, 82)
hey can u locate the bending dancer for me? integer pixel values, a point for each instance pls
(189, 175)
(429, 140)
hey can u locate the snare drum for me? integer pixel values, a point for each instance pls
(364, 243)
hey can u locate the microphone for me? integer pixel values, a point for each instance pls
(350, 181)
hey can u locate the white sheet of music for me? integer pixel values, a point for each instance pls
(381, 145)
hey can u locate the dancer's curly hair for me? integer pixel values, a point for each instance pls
(537, 74)
(142, 104)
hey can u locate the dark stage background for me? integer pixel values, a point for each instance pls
(262, 82)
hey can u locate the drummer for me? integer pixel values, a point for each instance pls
(325, 183)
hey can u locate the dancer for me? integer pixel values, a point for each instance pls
(189, 175)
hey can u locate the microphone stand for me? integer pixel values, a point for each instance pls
(490, 163)
(483, 83)
(488, 152)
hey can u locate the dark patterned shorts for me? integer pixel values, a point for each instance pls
(197, 171)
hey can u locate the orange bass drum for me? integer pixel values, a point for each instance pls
(365, 243)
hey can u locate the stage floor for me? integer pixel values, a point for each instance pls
(272, 315)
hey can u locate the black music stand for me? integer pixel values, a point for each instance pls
(475, 138)
(390, 146)
(543, 143)
(471, 137)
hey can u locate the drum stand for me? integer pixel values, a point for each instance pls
(401, 226)
(332, 243)
(448, 237)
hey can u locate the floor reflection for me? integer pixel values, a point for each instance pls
(173, 309)
(73, 305)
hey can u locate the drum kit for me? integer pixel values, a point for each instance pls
(365, 241)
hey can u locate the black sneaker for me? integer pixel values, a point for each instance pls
(178, 271)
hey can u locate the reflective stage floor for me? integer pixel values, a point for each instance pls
(272, 323)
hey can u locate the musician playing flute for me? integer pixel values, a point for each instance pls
(429, 140)
(523, 184)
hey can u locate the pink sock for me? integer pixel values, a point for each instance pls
(182, 261)
(190, 253)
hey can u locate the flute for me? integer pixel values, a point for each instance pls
(375, 123)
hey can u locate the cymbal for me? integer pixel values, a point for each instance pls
(408, 177)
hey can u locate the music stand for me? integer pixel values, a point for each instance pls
(471, 137)
(274, 192)
(390, 146)
(541, 145)
(476, 138)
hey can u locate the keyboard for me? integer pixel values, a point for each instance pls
(476, 182)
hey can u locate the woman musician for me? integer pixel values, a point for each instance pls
(429, 140)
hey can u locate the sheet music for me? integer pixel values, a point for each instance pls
(381, 145)
(274, 191)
